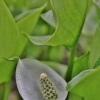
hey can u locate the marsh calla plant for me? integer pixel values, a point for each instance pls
(37, 81)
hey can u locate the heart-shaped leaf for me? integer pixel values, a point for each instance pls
(70, 19)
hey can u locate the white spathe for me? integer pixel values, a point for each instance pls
(28, 73)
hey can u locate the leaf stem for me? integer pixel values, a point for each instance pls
(1, 91)
(70, 64)
(7, 90)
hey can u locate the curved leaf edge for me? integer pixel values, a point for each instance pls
(76, 80)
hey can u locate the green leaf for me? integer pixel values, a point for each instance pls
(8, 33)
(86, 84)
(24, 14)
(6, 71)
(80, 64)
(59, 68)
(8, 42)
(97, 63)
(95, 48)
(31, 21)
(24, 4)
(7, 90)
(49, 18)
(70, 19)
(8, 2)
(7, 67)
(73, 96)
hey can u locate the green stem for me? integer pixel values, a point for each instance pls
(70, 64)
(7, 90)
(1, 91)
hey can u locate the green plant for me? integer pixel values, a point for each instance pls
(79, 80)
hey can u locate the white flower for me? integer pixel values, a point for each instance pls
(31, 83)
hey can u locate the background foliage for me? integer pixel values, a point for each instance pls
(21, 17)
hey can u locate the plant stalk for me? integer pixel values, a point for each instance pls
(7, 90)
(1, 91)
(70, 64)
